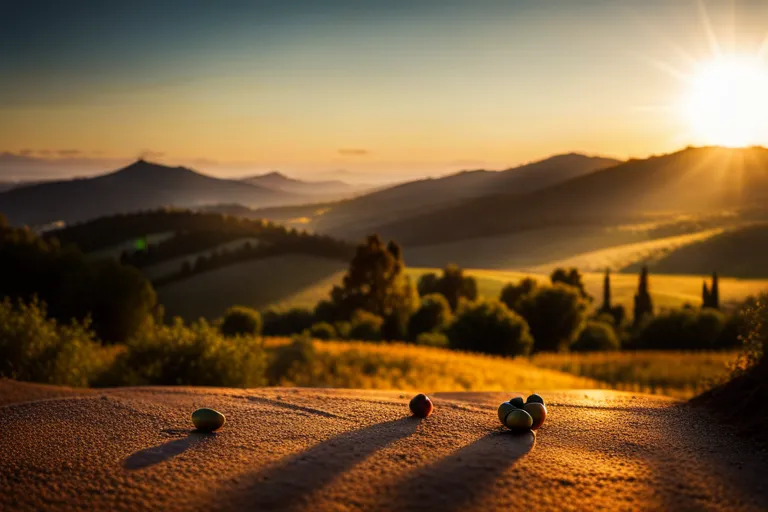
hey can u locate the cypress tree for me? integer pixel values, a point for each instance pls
(643, 304)
(706, 296)
(607, 292)
(714, 293)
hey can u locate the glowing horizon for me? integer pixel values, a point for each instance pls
(397, 90)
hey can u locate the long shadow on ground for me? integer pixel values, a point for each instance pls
(157, 454)
(451, 483)
(285, 485)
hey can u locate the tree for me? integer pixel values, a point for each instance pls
(596, 337)
(643, 303)
(433, 315)
(365, 326)
(555, 315)
(240, 321)
(375, 282)
(285, 323)
(682, 330)
(571, 277)
(710, 297)
(616, 312)
(512, 294)
(489, 327)
(453, 285)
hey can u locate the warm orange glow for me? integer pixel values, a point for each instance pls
(727, 103)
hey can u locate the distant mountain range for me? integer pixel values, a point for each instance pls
(335, 189)
(353, 218)
(688, 181)
(140, 186)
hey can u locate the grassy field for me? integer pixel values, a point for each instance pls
(173, 265)
(302, 281)
(680, 374)
(622, 256)
(364, 365)
(256, 284)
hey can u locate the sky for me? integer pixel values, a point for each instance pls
(369, 89)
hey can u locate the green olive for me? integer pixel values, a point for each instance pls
(518, 421)
(517, 402)
(208, 420)
(535, 399)
(504, 409)
(538, 412)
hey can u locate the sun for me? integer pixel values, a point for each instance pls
(727, 101)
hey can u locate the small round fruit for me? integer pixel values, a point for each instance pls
(504, 409)
(518, 421)
(208, 420)
(517, 402)
(538, 412)
(535, 399)
(421, 406)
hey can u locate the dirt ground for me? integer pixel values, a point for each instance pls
(310, 449)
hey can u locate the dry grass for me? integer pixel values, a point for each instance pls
(680, 374)
(362, 365)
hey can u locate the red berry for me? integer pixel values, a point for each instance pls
(421, 406)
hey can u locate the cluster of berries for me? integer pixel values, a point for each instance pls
(519, 416)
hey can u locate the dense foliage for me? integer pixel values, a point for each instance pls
(489, 327)
(115, 297)
(555, 314)
(686, 329)
(596, 337)
(434, 315)
(241, 321)
(453, 285)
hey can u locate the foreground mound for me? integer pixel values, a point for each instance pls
(308, 449)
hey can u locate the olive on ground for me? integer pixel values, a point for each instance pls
(538, 412)
(517, 402)
(535, 399)
(504, 409)
(421, 406)
(208, 420)
(518, 421)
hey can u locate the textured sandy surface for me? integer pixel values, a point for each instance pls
(304, 449)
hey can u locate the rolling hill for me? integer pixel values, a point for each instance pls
(734, 253)
(316, 189)
(140, 186)
(353, 219)
(689, 181)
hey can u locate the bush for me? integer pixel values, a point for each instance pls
(432, 339)
(513, 293)
(286, 323)
(365, 326)
(682, 330)
(433, 315)
(194, 355)
(453, 285)
(490, 327)
(596, 337)
(290, 363)
(322, 331)
(555, 315)
(241, 321)
(36, 348)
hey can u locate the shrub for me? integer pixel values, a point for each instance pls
(596, 337)
(241, 321)
(513, 293)
(433, 315)
(36, 348)
(490, 327)
(194, 355)
(290, 363)
(365, 326)
(286, 323)
(432, 339)
(453, 285)
(555, 315)
(682, 330)
(322, 331)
